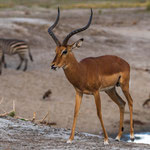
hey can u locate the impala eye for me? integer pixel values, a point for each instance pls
(64, 52)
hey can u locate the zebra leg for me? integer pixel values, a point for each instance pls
(26, 64)
(0, 67)
(5, 65)
(21, 61)
(3, 61)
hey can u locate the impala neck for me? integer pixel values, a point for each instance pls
(73, 71)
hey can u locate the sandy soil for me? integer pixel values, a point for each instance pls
(125, 33)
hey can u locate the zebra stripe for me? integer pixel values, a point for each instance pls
(15, 46)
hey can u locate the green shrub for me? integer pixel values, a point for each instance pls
(11, 114)
(148, 6)
(100, 11)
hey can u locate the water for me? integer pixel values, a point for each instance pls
(142, 137)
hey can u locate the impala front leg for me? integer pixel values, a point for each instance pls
(76, 112)
(99, 114)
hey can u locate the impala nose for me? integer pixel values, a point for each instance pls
(53, 67)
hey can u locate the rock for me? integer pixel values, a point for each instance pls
(47, 94)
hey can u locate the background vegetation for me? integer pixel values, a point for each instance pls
(68, 4)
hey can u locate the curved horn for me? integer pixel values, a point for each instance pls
(52, 27)
(77, 30)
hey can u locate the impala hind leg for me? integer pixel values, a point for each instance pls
(121, 104)
(99, 114)
(125, 89)
(76, 112)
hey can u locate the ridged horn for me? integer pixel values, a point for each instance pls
(52, 27)
(77, 30)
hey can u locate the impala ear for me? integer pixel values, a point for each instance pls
(77, 44)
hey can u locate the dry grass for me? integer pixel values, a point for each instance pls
(69, 4)
(106, 5)
(6, 5)
(148, 6)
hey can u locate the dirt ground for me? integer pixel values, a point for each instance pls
(125, 33)
(24, 135)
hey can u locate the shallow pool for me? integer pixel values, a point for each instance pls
(142, 137)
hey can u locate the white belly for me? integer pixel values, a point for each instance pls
(106, 88)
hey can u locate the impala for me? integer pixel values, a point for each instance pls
(92, 75)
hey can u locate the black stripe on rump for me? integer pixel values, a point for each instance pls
(18, 44)
(20, 50)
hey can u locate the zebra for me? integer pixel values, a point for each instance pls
(12, 47)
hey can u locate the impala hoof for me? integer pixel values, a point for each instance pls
(106, 142)
(132, 138)
(69, 141)
(117, 139)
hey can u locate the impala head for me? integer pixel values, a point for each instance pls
(63, 50)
